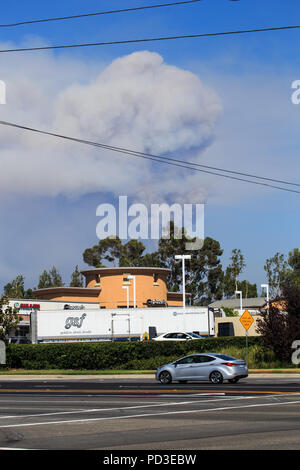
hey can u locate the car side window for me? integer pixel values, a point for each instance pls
(186, 360)
(207, 359)
(202, 359)
(197, 359)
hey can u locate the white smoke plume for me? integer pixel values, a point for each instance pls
(138, 102)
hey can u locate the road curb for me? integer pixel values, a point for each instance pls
(123, 376)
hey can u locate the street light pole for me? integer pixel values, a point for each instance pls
(239, 292)
(127, 289)
(266, 286)
(134, 290)
(183, 258)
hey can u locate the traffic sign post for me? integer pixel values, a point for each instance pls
(246, 320)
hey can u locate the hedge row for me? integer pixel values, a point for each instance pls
(101, 356)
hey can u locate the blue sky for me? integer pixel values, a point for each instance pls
(50, 220)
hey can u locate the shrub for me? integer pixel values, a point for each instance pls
(125, 355)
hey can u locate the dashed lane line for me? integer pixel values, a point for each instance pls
(147, 415)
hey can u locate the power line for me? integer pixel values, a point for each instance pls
(136, 153)
(153, 39)
(120, 149)
(108, 12)
(160, 159)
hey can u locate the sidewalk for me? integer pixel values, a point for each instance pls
(255, 373)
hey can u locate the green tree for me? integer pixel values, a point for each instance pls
(9, 317)
(203, 273)
(276, 269)
(279, 330)
(132, 253)
(45, 280)
(207, 273)
(248, 290)
(230, 312)
(108, 249)
(111, 250)
(150, 259)
(228, 283)
(16, 289)
(76, 278)
(237, 265)
(294, 263)
(171, 244)
(50, 278)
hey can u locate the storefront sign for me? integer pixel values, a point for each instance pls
(73, 307)
(156, 303)
(27, 306)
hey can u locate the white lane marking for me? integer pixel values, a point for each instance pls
(13, 448)
(145, 415)
(93, 410)
(152, 404)
(63, 402)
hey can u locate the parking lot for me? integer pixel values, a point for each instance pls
(137, 414)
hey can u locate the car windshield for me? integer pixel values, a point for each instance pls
(194, 335)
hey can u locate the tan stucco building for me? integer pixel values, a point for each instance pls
(119, 287)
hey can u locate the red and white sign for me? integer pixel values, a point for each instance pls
(27, 306)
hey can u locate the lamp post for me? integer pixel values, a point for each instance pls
(239, 292)
(183, 258)
(127, 289)
(266, 286)
(134, 290)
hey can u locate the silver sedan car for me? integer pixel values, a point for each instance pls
(207, 366)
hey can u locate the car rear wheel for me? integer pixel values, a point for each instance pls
(216, 377)
(165, 377)
(234, 381)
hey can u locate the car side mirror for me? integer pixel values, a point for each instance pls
(175, 364)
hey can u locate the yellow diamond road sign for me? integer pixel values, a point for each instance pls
(246, 320)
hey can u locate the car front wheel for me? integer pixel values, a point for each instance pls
(216, 377)
(165, 377)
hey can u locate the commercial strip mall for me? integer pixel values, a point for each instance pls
(106, 288)
(121, 288)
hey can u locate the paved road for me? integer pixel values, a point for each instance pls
(143, 385)
(132, 414)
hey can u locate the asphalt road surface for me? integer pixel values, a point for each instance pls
(139, 414)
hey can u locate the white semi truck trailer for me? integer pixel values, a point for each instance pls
(133, 324)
